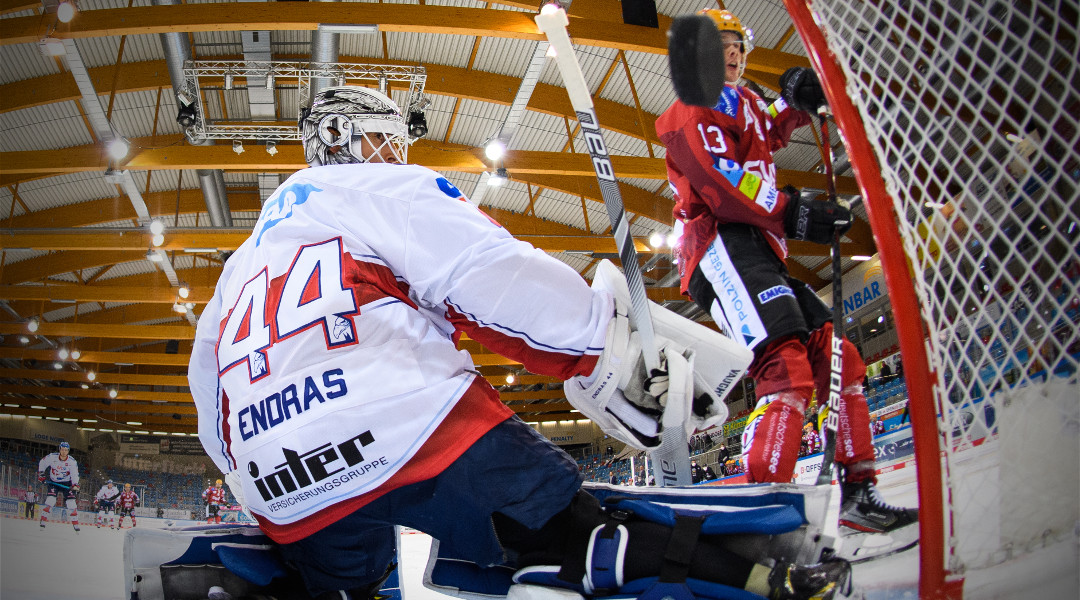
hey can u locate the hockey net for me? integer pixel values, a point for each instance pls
(960, 118)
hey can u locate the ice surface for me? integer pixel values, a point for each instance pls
(56, 563)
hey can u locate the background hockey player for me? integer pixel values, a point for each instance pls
(331, 393)
(60, 473)
(214, 499)
(106, 503)
(126, 504)
(735, 223)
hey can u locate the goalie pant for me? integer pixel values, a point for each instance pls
(732, 252)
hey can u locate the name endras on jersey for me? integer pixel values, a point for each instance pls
(291, 401)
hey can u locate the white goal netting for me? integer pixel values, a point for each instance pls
(971, 108)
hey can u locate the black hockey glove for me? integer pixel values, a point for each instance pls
(813, 221)
(801, 89)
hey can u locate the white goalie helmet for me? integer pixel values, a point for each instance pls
(340, 118)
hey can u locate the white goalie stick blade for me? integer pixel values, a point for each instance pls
(671, 459)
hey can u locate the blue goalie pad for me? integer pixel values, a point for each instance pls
(764, 521)
(184, 563)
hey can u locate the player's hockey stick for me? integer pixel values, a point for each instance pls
(836, 361)
(671, 462)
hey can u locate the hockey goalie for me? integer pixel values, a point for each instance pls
(332, 394)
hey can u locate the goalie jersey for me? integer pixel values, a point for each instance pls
(325, 367)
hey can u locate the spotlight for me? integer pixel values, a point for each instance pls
(417, 125)
(51, 46)
(91, 375)
(672, 239)
(156, 227)
(228, 81)
(499, 177)
(238, 147)
(184, 291)
(63, 353)
(185, 116)
(65, 12)
(656, 240)
(270, 81)
(33, 324)
(271, 148)
(118, 148)
(549, 8)
(85, 386)
(23, 339)
(112, 392)
(495, 149)
(510, 378)
(158, 240)
(75, 354)
(180, 308)
(58, 365)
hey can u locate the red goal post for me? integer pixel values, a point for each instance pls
(960, 120)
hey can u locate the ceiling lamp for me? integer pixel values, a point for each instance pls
(118, 148)
(65, 12)
(495, 149)
(499, 177)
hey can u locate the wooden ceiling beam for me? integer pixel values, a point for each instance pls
(230, 239)
(93, 418)
(81, 330)
(102, 378)
(102, 357)
(77, 392)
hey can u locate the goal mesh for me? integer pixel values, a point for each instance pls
(971, 109)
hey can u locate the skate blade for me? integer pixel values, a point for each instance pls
(860, 546)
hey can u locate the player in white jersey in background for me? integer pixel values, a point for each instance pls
(106, 500)
(331, 393)
(60, 472)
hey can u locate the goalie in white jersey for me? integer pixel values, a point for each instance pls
(330, 390)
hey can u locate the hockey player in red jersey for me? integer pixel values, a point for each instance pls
(214, 499)
(330, 391)
(735, 223)
(126, 504)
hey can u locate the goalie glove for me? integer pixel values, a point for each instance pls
(801, 89)
(628, 402)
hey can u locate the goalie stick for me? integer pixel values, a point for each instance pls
(671, 462)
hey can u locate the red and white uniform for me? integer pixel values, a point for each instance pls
(127, 501)
(325, 367)
(214, 496)
(721, 169)
(64, 471)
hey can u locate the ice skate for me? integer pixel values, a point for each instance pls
(76, 528)
(871, 528)
(42, 523)
(822, 581)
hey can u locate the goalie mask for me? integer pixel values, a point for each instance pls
(727, 22)
(352, 125)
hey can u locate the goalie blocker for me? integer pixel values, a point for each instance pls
(633, 405)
